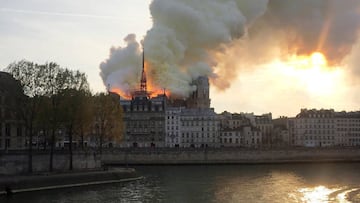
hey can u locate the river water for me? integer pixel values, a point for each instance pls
(314, 183)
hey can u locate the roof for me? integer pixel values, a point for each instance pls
(9, 84)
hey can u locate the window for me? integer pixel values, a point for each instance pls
(7, 143)
(19, 131)
(7, 130)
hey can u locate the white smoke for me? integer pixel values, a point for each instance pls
(178, 46)
(123, 68)
(206, 38)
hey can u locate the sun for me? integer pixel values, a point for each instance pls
(318, 59)
(311, 73)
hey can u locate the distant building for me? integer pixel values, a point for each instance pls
(12, 128)
(253, 137)
(232, 121)
(199, 128)
(315, 128)
(232, 137)
(348, 128)
(200, 98)
(281, 133)
(264, 124)
(173, 127)
(160, 122)
(163, 122)
(237, 130)
(144, 117)
(144, 121)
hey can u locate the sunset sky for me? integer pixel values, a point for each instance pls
(255, 74)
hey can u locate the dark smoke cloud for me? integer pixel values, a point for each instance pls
(305, 26)
(218, 38)
(177, 46)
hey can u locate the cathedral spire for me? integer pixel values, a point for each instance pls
(143, 85)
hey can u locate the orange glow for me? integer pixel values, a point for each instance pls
(312, 73)
(315, 61)
(318, 59)
(152, 89)
(123, 94)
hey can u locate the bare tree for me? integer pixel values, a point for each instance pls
(108, 118)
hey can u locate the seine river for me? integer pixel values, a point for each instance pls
(222, 183)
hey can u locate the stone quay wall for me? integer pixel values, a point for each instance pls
(227, 156)
(17, 162)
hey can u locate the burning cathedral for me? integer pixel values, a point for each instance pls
(160, 121)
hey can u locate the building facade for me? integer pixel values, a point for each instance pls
(173, 128)
(200, 98)
(199, 128)
(237, 130)
(347, 128)
(12, 127)
(144, 121)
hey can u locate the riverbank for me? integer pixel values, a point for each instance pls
(17, 163)
(153, 156)
(48, 181)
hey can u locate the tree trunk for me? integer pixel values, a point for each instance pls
(102, 131)
(52, 146)
(101, 143)
(30, 153)
(82, 138)
(70, 149)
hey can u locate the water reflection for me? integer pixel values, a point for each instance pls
(322, 194)
(302, 183)
(319, 194)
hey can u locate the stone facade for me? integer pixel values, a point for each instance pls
(237, 130)
(144, 120)
(281, 132)
(347, 127)
(232, 137)
(162, 122)
(12, 130)
(315, 128)
(199, 128)
(200, 98)
(173, 127)
(325, 128)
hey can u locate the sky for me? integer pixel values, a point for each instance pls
(75, 34)
(79, 34)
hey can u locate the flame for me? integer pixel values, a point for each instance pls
(152, 89)
(121, 93)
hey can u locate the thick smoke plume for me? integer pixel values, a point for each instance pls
(178, 46)
(123, 68)
(217, 38)
(302, 27)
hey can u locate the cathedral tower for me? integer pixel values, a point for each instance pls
(200, 97)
